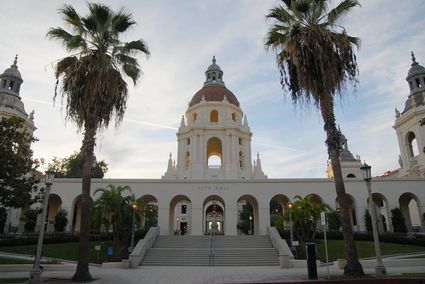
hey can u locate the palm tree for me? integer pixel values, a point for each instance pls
(112, 207)
(316, 59)
(305, 215)
(91, 81)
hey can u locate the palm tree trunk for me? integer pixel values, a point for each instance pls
(82, 273)
(353, 266)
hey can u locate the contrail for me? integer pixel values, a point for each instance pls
(125, 119)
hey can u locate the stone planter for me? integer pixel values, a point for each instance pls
(340, 263)
(284, 261)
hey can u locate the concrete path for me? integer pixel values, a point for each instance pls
(198, 275)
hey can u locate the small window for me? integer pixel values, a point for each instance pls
(234, 117)
(418, 83)
(214, 116)
(184, 209)
(194, 116)
(188, 141)
(11, 85)
(240, 141)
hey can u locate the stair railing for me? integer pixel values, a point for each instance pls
(278, 243)
(211, 252)
(143, 246)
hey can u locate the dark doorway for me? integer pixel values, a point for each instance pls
(183, 228)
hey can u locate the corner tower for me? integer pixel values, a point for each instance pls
(214, 139)
(10, 101)
(410, 124)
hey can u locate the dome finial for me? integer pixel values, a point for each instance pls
(15, 62)
(413, 58)
(213, 60)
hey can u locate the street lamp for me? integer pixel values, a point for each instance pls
(291, 229)
(177, 225)
(367, 176)
(134, 206)
(35, 273)
(250, 224)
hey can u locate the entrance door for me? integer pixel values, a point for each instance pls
(183, 228)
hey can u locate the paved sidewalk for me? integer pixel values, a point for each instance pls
(198, 275)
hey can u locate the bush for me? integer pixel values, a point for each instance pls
(368, 220)
(30, 218)
(399, 223)
(3, 217)
(61, 220)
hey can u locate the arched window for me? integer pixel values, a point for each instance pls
(234, 117)
(241, 158)
(214, 116)
(412, 146)
(214, 153)
(351, 176)
(194, 116)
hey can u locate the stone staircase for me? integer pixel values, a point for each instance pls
(229, 251)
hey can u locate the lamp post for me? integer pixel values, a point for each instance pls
(35, 273)
(250, 224)
(291, 238)
(177, 225)
(367, 176)
(134, 206)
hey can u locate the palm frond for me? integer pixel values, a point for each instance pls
(121, 22)
(341, 10)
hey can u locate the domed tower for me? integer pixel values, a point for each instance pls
(410, 124)
(10, 101)
(214, 139)
(350, 165)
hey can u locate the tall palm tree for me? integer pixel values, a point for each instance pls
(91, 81)
(112, 207)
(316, 59)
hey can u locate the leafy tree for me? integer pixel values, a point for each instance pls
(315, 58)
(18, 170)
(3, 217)
(30, 219)
(91, 81)
(61, 220)
(398, 220)
(113, 209)
(305, 216)
(368, 220)
(72, 167)
(334, 220)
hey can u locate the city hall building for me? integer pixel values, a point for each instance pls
(213, 176)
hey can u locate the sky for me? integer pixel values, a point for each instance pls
(183, 36)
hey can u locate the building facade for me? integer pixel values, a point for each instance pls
(212, 178)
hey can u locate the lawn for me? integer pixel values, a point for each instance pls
(68, 251)
(6, 260)
(13, 280)
(364, 249)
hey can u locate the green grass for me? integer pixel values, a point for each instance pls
(364, 249)
(68, 251)
(13, 280)
(5, 260)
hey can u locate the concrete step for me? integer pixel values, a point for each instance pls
(229, 251)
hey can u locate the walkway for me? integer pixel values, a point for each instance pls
(183, 275)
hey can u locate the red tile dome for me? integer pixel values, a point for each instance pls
(214, 93)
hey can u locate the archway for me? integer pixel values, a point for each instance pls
(381, 207)
(53, 206)
(180, 215)
(149, 211)
(411, 209)
(278, 206)
(351, 203)
(213, 215)
(247, 218)
(76, 214)
(412, 145)
(214, 153)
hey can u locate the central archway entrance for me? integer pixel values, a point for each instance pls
(213, 213)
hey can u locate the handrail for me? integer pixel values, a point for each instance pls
(143, 246)
(278, 243)
(211, 252)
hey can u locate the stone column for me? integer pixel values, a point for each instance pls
(196, 229)
(164, 219)
(230, 221)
